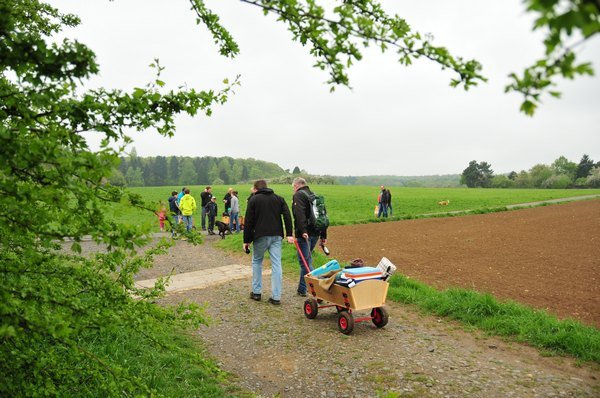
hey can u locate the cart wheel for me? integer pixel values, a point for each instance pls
(379, 316)
(345, 322)
(311, 308)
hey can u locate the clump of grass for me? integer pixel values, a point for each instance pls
(502, 318)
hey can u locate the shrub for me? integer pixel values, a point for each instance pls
(560, 181)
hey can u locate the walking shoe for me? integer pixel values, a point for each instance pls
(255, 296)
(273, 301)
(301, 294)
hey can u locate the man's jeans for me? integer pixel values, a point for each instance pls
(382, 209)
(306, 247)
(203, 218)
(260, 246)
(234, 217)
(187, 220)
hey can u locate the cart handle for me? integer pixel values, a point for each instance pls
(302, 256)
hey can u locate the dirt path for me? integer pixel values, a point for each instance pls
(276, 351)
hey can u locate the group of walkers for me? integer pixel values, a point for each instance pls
(182, 206)
(267, 222)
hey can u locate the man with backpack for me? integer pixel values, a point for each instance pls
(310, 224)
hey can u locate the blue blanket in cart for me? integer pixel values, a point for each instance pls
(332, 265)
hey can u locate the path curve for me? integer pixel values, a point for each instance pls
(274, 351)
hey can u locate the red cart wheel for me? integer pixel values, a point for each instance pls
(379, 316)
(311, 308)
(345, 322)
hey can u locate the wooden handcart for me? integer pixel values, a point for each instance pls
(367, 294)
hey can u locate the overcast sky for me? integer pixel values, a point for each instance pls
(396, 120)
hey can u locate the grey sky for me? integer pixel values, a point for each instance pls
(395, 120)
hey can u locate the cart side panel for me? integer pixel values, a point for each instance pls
(334, 295)
(368, 294)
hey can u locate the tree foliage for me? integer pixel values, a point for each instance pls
(477, 175)
(156, 171)
(584, 167)
(337, 33)
(53, 188)
(567, 25)
(561, 174)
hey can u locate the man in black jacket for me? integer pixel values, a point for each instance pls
(264, 229)
(206, 195)
(307, 234)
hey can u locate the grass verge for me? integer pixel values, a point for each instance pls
(176, 367)
(502, 318)
(508, 319)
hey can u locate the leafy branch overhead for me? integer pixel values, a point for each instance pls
(337, 34)
(568, 25)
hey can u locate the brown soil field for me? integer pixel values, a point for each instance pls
(545, 257)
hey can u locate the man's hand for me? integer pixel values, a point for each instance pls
(323, 242)
(305, 236)
(290, 239)
(246, 247)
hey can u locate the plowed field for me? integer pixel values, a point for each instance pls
(546, 257)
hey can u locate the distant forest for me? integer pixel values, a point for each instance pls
(135, 171)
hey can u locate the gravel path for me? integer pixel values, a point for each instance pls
(276, 351)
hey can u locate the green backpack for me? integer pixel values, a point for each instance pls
(318, 214)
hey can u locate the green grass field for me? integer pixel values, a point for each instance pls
(355, 204)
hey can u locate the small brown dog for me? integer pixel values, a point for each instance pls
(444, 203)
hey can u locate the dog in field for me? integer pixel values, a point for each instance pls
(222, 228)
(444, 203)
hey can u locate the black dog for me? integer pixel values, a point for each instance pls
(222, 228)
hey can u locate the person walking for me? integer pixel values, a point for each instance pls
(175, 211)
(235, 212)
(382, 200)
(180, 195)
(211, 211)
(206, 195)
(389, 203)
(306, 234)
(227, 200)
(188, 207)
(263, 228)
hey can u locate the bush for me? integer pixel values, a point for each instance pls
(561, 181)
(502, 181)
(593, 180)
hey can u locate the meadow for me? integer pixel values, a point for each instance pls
(355, 204)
